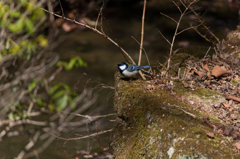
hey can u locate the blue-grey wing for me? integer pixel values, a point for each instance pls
(133, 67)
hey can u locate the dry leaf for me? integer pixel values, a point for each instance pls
(236, 78)
(226, 105)
(205, 67)
(200, 73)
(218, 71)
(236, 121)
(237, 145)
(210, 134)
(209, 74)
(233, 98)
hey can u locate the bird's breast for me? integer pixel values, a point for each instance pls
(130, 74)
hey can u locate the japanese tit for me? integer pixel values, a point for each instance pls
(131, 70)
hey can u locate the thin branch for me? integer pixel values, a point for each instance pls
(61, 8)
(200, 20)
(183, 3)
(169, 17)
(143, 50)
(98, 32)
(203, 36)
(93, 29)
(115, 38)
(142, 33)
(163, 36)
(177, 7)
(99, 141)
(100, 13)
(82, 137)
(91, 118)
(192, 27)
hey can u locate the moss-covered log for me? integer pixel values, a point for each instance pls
(158, 124)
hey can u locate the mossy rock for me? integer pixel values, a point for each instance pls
(156, 124)
(178, 61)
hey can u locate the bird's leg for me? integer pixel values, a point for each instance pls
(130, 79)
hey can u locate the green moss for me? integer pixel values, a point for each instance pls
(154, 125)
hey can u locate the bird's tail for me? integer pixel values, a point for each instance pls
(146, 66)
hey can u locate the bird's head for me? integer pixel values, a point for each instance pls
(122, 66)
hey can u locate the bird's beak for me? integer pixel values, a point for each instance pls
(116, 66)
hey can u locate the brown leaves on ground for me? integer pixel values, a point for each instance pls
(218, 71)
(222, 74)
(210, 134)
(237, 145)
(233, 98)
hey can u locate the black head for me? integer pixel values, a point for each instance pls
(122, 66)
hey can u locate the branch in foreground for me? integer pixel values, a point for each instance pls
(82, 137)
(98, 32)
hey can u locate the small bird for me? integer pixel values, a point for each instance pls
(131, 70)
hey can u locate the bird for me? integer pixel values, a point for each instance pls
(131, 70)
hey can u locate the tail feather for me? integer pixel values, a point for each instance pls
(146, 66)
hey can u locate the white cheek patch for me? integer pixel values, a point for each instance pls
(123, 67)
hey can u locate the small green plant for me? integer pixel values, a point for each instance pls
(61, 96)
(19, 24)
(73, 62)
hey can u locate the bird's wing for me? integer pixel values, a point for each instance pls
(133, 67)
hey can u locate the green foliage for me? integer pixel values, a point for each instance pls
(74, 62)
(32, 85)
(21, 22)
(234, 82)
(62, 95)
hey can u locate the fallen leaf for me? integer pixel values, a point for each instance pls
(237, 145)
(226, 105)
(200, 73)
(218, 71)
(233, 98)
(236, 79)
(227, 131)
(209, 74)
(210, 134)
(205, 67)
(185, 84)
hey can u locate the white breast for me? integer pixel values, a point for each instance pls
(130, 74)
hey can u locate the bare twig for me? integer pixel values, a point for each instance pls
(144, 51)
(100, 13)
(169, 17)
(61, 8)
(98, 32)
(163, 36)
(82, 137)
(183, 13)
(142, 33)
(192, 27)
(200, 20)
(93, 29)
(99, 141)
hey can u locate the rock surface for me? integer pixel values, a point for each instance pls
(163, 123)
